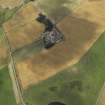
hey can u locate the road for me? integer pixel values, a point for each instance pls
(13, 74)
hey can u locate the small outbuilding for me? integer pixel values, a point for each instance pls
(56, 103)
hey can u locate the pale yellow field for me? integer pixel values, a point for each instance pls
(10, 3)
(23, 29)
(81, 29)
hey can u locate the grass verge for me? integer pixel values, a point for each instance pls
(6, 92)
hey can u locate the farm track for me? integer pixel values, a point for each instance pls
(14, 77)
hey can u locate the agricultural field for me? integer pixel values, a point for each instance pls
(58, 9)
(102, 98)
(3, 49)
(80, 34)
(23, 29)
(10, 3)
(5, 14)
(77, 85)
(6, 92)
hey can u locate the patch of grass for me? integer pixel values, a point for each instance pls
(56, 9)
(3, 49)
(28, 50)
(77, 85)
(1, 33)
(5, 14)
(6, 91)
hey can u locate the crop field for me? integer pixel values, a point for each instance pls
(6, 92)
(57, 9)
(10, 3)
(77, 85)
(23, 29)
(80, 33)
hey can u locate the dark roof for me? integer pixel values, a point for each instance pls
(56, 103)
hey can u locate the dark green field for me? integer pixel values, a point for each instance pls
(6, 92)
(78, 85)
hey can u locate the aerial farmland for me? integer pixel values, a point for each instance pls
(10, 3)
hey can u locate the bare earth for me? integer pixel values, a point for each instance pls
(81, 29)
(10, 3)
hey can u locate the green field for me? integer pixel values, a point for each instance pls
(78, 85)
(5, 15)
(6, 92)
